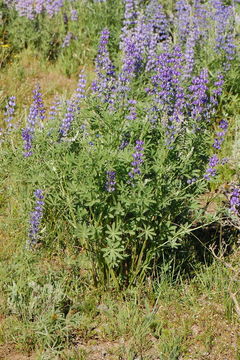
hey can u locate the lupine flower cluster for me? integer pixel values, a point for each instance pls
(132, 113)
(223, 16)
(36, 114)
(220, 135)
(67, 40)
(54, 108)
(9, 112)
(32, 8)
(111, 181)
(81, 88)
(73, 106)
(36, 218)
(183, 18)
(74, 15)
(103, 86)
(235, 200)
(211, 170)
(68, 118)
(214, 160)
(198, 97)
(38, 103)
(138, 159)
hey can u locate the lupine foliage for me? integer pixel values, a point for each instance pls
(123, 166)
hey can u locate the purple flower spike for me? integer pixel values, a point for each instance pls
(211, 170)
(235, 200)
(81, 88)
(54, 108)
(74, 15)
(38, 102)
(103, 86)
(36, 218)
(36, 114)
(73, 106)
(68, 118)
(27, 136)
(9, 112)
(67, 39)
(220, 134)
(111, 181)
(138, 159)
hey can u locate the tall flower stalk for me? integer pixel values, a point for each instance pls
(137, 159)
(36, 115)
(9, 112)
(35, 219)
(103, 86)
(73, 106)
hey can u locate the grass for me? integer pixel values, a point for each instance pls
(51, 311)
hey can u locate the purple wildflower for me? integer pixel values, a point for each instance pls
(218, 85)
(38, 102)
(123, 144)
(9, 112)
(81, 88)
(130, 13)
(168, 92)
(36, 218)
(27, 136)
(235, 200)
(191, 181)
(73, 106)
(211, 170)
(74, 15)
(67, 39)
(132, 115)
(53, 7)
(36, 113)
(138, 159)
(104, 84)
(189, 55)
(183, 18)
(68, 118)
(223, 16)
(198, 96)
(31, 8)
(220, 134)
(111, 181)
(54, 108)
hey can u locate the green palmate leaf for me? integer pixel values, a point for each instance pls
(114, 233)
(113, 253)
(147, 232)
